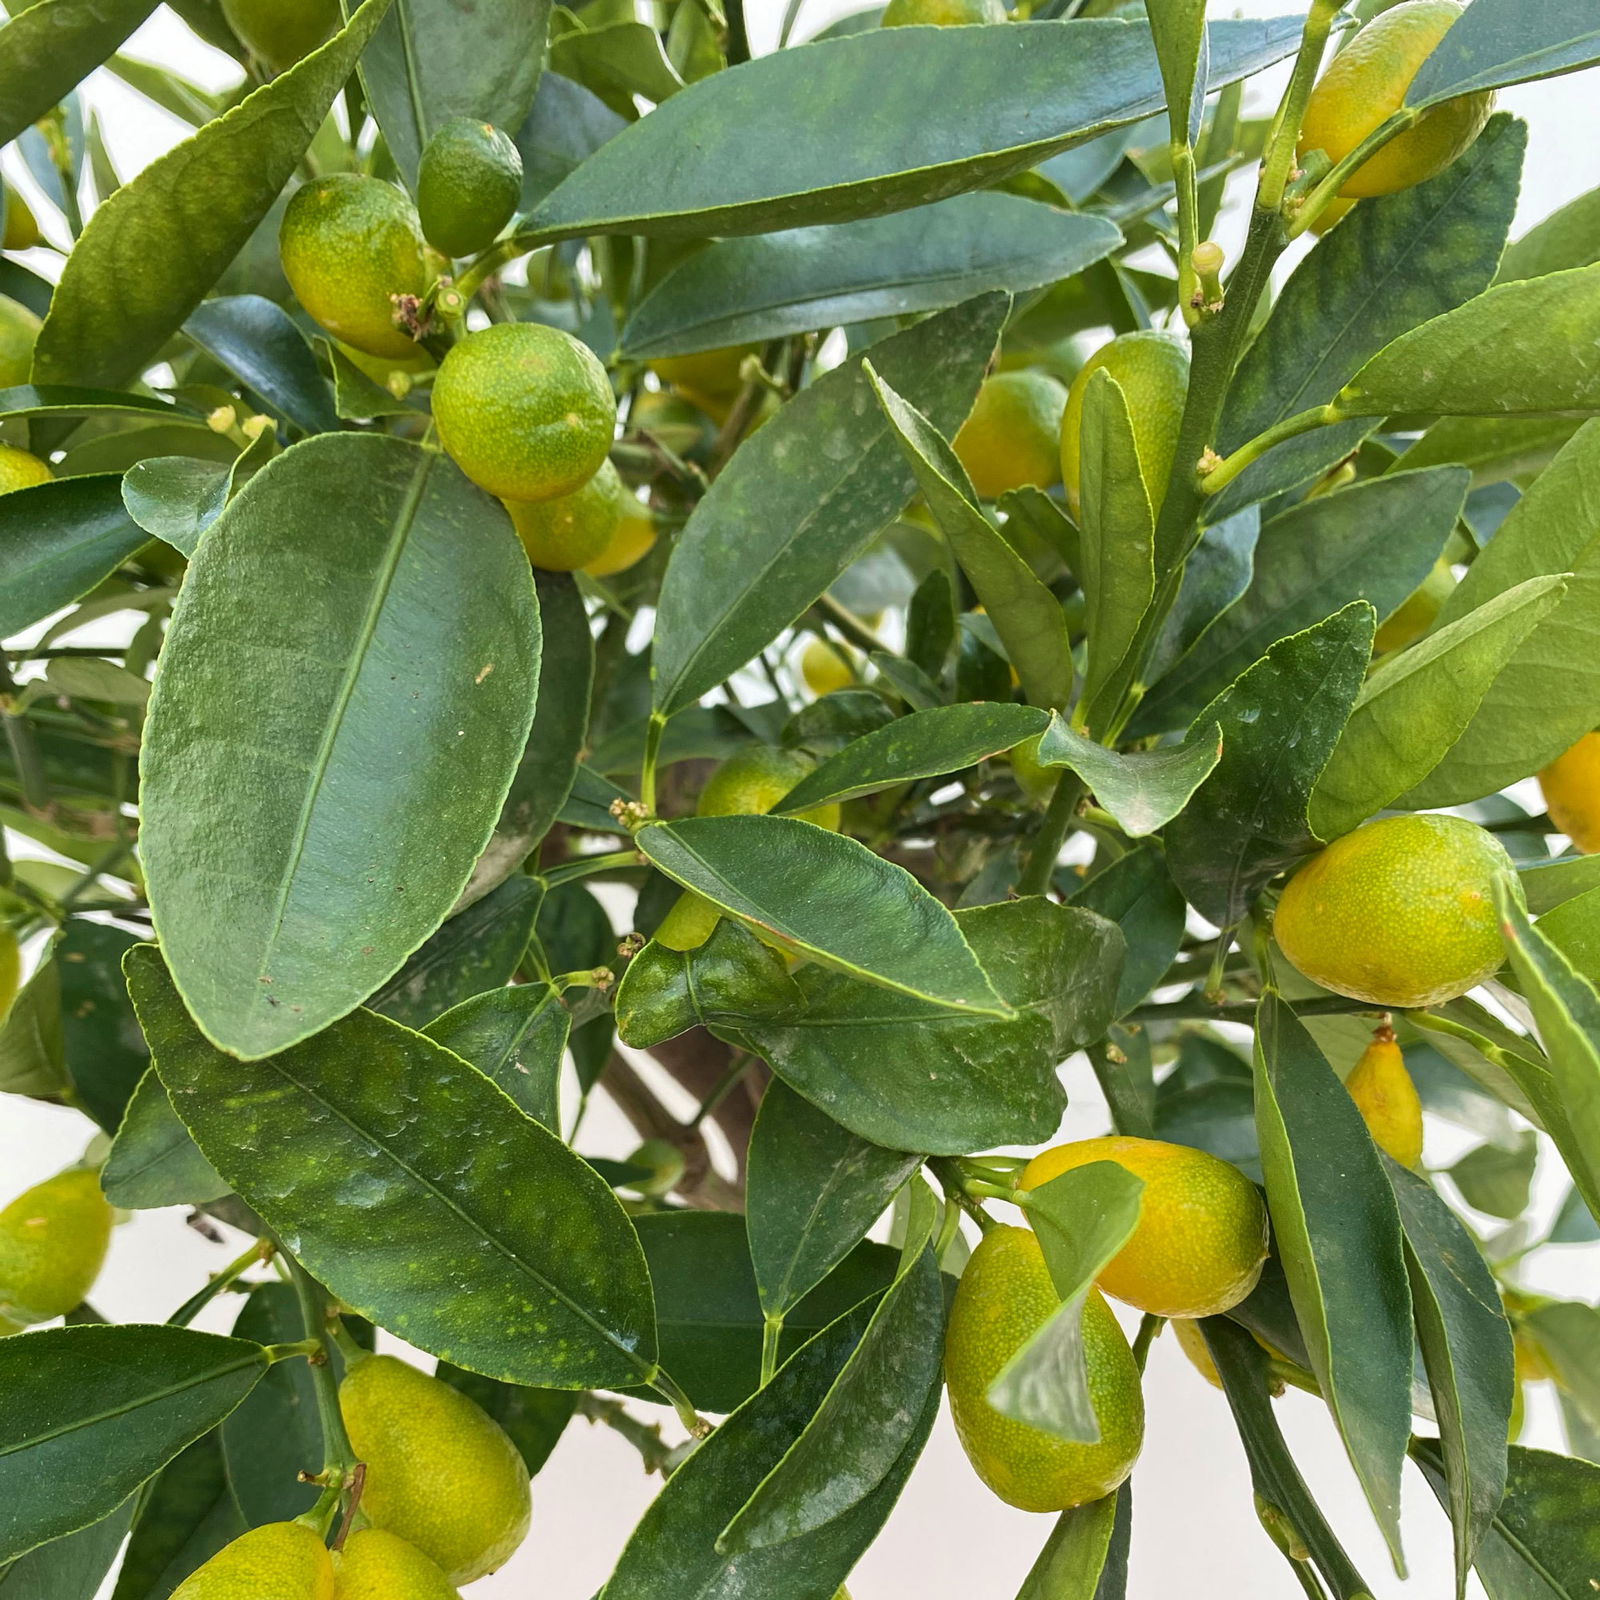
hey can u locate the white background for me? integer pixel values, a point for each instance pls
(1194, 1531)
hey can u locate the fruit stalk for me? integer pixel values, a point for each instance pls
(338, 1454)
(1278, 163)
(1053, 830)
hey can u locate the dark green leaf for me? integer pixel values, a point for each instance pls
(1544, 1542)
(1403, 258)
(1414, 708)
(812, 1191)
(826, 896)
(432, 60)
(1145, 789)
(421, 1196)
(1025, 92)
(1496, 1178)
(255, 340)
(104, 1049)
(49, 48)
(71, 1568)
(1218, 1116)
(411, 702)
(777, 284)
(32, 1060)
(1502, 43)
(1375, 541)
(64, 400)
(1026, 616)
(1083, 1218)
(673, 1550)
(926, 744)
(1280, 722)
(186, 1514)
(804, 497)
(1137, 893)
(1338, 1231)
(163, 239)
(1074, 1556)
(1466, 1348)
(567, 125)
(535, 1419)
(153, 1161)
(92, 1411)
(972, 1082)
(516, 1036)
(1517, 349)
(617, 60)
(57, 541)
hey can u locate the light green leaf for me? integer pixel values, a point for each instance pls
(150, 253)
(1179, 27)
(1548, 885)
(803, 498)
(1144, 789)
(406, 600)
(1569, 237)
(1075, 1555)
(47, 49)
(1414, 708)
(1496, 1178)
(1027, 617)
(516, 1036)
(1573, 927)
(153, 1161)
(826, 896)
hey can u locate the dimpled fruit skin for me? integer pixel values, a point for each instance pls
(280, 32)
(630, 542)
(942, 13)
(1153, 371)
(755, 780)
(441, 1472)
(468, 184)
(19, 470)
(53, 1240)
(375, 1565)
(279, 1561)
(1387, 1100)
(525, 410)
(1400, 913)
(574, 529)
(18, 330)
(348, 243)
(1571, 787)
(1202, 1233)
(1367, 82)
(1004, 1297)
(1012, 437)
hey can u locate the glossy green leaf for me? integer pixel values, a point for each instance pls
(1404, 258)
(617, 60)
(1568, 237)
(1116, 546)
(67, 400)
(1573, 927)
(709, 1310)
(972, 1082)
(1025, 92)
(175, 498)
(1506, 43)
(1466, 1348)
(1137, 893)
(32, 1060)
(1083, 1218)
(477, 950)
(869, 1418)
(1566, 1008)
(1547, 885)
(1280, 723)
(153, 1161)
(1516, 349)
(1026, 616)
(812, 1191)
(57, 541)
(673, 1551)
(92, 1411)
(827, 896)
(478, 1234)
(70, 1568)
(1074, 1556)
(1413, 709)
(49, 48)
(432, 60)
(104, 1050)
(1144, 789)
(255, 340)
(1549, 695)
(516, 1036)
(925, 744)
(413, 701)
(534, 1419)
(186, 1514)
(777, 284)
(1497, 1178)
(154, 249)
(274, 1435)
(1544, 1542)
(804, 497)
(1338, 1231)
(1375, 541)
(566, 125)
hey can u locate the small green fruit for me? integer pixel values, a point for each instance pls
(18, 330)
(21, 226)
(19, 470)
(574, 529)
(468, 186)
(280, 32)
(53, 1240)
(441, 1472)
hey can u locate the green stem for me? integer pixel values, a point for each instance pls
(310, 1348)
(1188, 195)
(652, 754)
(667, 1387)
(771, 1333)
(850, 625)
(588, 866)
(1198, 1007)
(1053, 830)
(1149, 1326)
(1252, 450)
(261, 1251)
(738, 1066)
(738, 34)
(338, 1454)
(1278, 161)
(1327, 188)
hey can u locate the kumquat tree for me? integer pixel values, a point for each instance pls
(550, 562)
